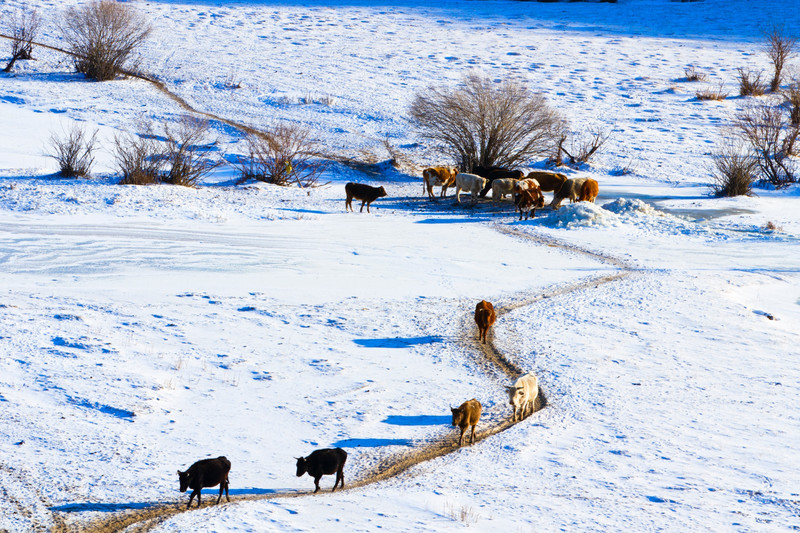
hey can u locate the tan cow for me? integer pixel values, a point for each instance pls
(570, 189)
(471, 183)
(444, 176)
(484, 318)
(466, 415)
(501, 187)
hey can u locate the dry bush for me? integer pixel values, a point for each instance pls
(771, 139)
(138, 158)
(780, 48)
(750, 83)
(283, 155)
(582, 147)
(74, 151)
(693, 75)
(103, 36)
(186, 153)
(23, 28)
(712, 94)
(734, 169)
(486, 123)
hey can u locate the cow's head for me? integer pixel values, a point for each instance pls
(458, 415)
(514, 395)
(185, 478)
(381, 192)
(302, 466)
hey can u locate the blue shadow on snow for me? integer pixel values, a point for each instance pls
(398, 342)
(371, 443)
(417, 420)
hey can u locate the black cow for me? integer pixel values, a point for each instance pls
(321, 462)
(206, 473)
(365, 193)
(493, 173)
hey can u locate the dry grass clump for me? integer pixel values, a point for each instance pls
(693, 74)
(750, 83)
(735, 170)
(712, 94)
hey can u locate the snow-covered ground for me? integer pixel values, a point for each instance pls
(144, 328)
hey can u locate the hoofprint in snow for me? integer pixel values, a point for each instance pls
(144, 328)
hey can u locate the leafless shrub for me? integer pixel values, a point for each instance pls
(284, 155)
(780, 48)
(693, 75)
(712, 94)
(750, 83)
(793, 100)
(23, 28)
(486, 123)
(232, 82)
(102, 36)
(771, 139)
(734, 169)
(186, 154)
(138, 158)
(583, 146)
(74, 151)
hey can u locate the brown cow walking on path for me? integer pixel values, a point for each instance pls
(321, 462)
(484, 318)
(466, 415)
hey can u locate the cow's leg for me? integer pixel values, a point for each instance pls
(221, 488)
(339, 477)
(472, 436)
(461, 438)
(458, 194)
(368, 206)
(316, 483)
(227, 484)
(362, 206)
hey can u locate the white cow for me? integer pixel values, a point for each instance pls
(501, 187)
(471, 183)
(522, 395)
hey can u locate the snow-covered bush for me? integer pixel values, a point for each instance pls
(74, 151)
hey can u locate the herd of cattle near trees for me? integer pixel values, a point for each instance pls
(522, 396)
(525, 190)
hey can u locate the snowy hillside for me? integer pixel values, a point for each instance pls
(146, 327)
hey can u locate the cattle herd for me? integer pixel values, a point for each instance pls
(522, 396)
(526, 191)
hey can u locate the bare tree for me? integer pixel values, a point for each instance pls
(74, 151)
(23, 28)
(750, 83)
(780, 48)
(483, 123)
(582, 146)
(284, 155)
(186, 156)
(735, 168)
(103, 36)
(772, 141)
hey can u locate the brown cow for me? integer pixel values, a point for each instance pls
(528, 201)
(206, 473)
(466, 415)
(570, 189)
(484, 318)
(589, 191)
(444, 176)
(365, 193)
(548, 181)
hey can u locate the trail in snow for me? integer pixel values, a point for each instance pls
(489, 359)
